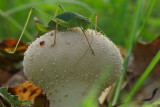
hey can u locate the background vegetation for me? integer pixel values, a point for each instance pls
(115, 17)
(124, 21)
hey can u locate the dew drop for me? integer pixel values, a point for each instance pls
(51, 83)
(31, 58)
(62, 85)
(66, 95)
(59, 100)
(56, 90)
(67, 81)
(57, 76)
(84, 93)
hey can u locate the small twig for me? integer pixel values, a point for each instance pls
(153, 94)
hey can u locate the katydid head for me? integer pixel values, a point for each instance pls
(84, 23)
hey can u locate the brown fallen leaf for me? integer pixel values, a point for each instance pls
(9, 61)
(122, 51)
(16, 79)
(142, 56)
(4, 76)
(9, 44)
(41, 101)
(25, 91)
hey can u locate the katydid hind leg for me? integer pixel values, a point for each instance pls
(42, 28)
(46, 15)
(87, 40)
(55, 13)
(24, 28)
(81, 58)
(96, 20)
(62, 7)
(55, 35)
(37, 21)
(59, 6)
(91, 17)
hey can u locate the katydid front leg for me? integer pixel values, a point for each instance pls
(41, 27)
(55, 35)
(26, 23)
(87, 40)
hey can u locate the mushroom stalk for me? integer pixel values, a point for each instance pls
(67, 71)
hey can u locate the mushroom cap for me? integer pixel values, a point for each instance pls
(68, 70)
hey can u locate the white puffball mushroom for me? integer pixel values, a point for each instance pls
(68, 70)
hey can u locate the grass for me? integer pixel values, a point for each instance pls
(115, 15)
(136, 24)
(143, 77)
(125, 21)
(15, 23)
(134, 38)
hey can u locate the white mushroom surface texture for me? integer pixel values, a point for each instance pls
(68, 70)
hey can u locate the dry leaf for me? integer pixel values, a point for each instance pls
(25, 91)
(122, 51)
(9, 60)
(41, 101)
(4, 76)
(16, 79)
(143, 55)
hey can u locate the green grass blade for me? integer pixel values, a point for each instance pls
(143, 76)
(152, 4)
(91, 99)
(134, 30)
(30, 5)
(121, 18)
(15, 23)
(20, 8)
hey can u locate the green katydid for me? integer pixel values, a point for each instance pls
(61, 21)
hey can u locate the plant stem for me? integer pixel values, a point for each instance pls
(143, 76)
(134, 30)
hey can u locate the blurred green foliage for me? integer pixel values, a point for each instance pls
(115, 17)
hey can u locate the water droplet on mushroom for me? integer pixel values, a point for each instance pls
(51, 83)
(55, 90)
(67, 81)
(57, 76)
(84, 92)
(59, 100)
(62, 85)
(31, 58)
(66, 95)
